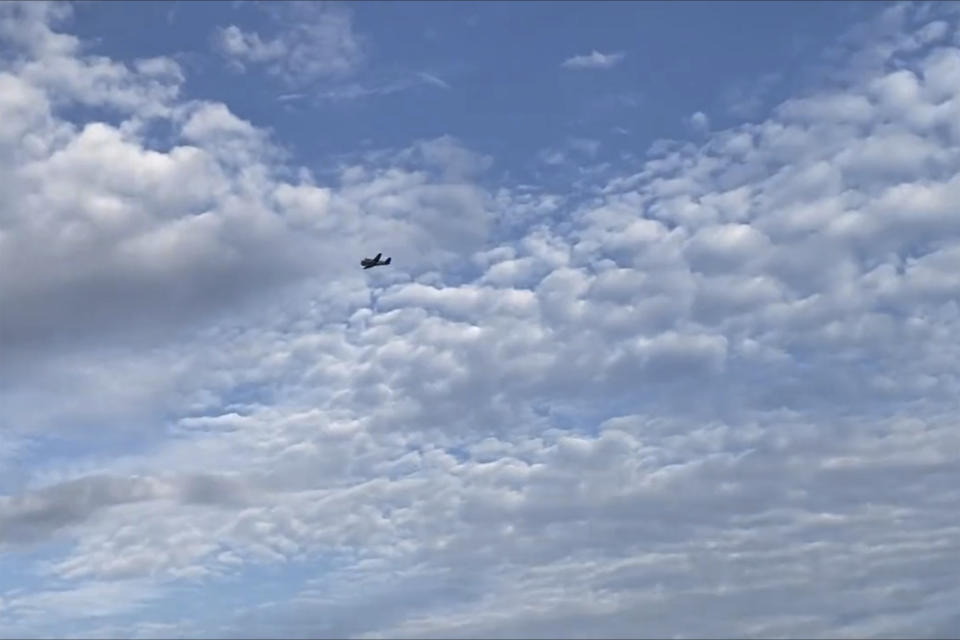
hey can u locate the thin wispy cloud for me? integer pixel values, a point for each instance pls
(315, 50)
(396, 83)
(429, 78)
(312, 40)
(593, 60)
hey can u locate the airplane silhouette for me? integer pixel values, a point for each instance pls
(367, 263)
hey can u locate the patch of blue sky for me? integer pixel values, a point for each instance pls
(506, 92)
(203, 599)
(23, 571)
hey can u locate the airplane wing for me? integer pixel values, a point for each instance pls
(377, 258)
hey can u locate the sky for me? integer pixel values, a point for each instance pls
(666, 347)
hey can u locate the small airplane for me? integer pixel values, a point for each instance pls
(367, 263)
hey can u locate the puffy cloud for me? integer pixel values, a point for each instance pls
(106, 238)
(699, 122)
(53, 62)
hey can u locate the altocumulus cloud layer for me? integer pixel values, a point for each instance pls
(713, 393)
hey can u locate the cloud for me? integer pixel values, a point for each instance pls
(699, 122)
(55, 65)
(721, 376)
(107, 237)
(380, 87)
(579, 148)
(314, 41)
(85, 601)
(429, 78)
(593, 60)
(39, 514)
(748, 98)
(315, 51)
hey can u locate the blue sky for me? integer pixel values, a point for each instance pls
(668, 327)
(507, 92)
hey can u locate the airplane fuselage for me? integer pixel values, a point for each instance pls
(367, 263)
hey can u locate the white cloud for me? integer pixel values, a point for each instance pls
(84, 601)
(527, 427)
(104, 238)
(594, 60)
(748, 99)
(314, 41)
(699, 122)
(315, 50)
(29, 25)
(429, 78)
(381, 87)
(234, 42)
(53, 63)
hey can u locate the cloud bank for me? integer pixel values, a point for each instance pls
(722, 380)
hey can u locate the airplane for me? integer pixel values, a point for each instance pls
(367, 263)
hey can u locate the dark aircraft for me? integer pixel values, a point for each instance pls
(366, 263)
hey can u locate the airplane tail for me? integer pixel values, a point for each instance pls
(387, 261)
